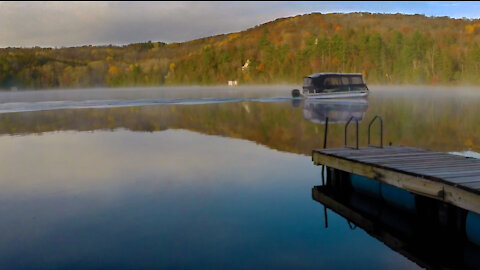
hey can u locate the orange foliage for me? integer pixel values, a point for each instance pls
(469, 29)
(335, 61)
(472, 28)
(233, 36)
(246, 77)
(290, 56)
(316, 64)
(405, 30)
(325, 25)
(171, 67)
(112, 70)
(220, 78)
(366, 66)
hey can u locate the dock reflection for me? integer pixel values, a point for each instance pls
(337, 110)
(428, 232)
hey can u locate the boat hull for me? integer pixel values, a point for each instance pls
(350, 94)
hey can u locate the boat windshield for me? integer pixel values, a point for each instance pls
(307, 81)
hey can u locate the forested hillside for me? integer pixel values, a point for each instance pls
(386, 48)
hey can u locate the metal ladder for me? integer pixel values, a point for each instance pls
(356, 132)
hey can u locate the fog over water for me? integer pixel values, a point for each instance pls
(35, 100)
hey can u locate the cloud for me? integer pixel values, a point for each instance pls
(80, 23)
(95, 162)
(50, 24)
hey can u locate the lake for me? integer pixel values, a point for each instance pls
(199, 177)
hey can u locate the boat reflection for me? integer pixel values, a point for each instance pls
(430, 233)
(337, 110)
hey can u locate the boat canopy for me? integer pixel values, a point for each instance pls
(333, 82)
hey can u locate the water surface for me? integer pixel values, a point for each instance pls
(197, 177)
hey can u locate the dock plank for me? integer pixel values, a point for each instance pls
(451, 178)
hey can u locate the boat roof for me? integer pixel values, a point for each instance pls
(316, 75)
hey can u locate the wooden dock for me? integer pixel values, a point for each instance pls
(450, 178)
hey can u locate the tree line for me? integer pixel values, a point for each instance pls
(386, 48)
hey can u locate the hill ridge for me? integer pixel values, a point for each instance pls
(386, 48)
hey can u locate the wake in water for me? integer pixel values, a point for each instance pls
(58, 105)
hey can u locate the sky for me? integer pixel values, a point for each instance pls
(64, 24)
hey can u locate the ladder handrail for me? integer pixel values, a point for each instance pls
(346, 128)
(381, 130)
(325, 134)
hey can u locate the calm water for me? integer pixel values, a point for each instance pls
(197, 177)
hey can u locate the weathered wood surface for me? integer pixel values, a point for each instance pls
(447, 177)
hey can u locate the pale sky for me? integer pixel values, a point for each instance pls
(57, 24)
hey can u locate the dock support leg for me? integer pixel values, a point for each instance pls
(326, 216)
